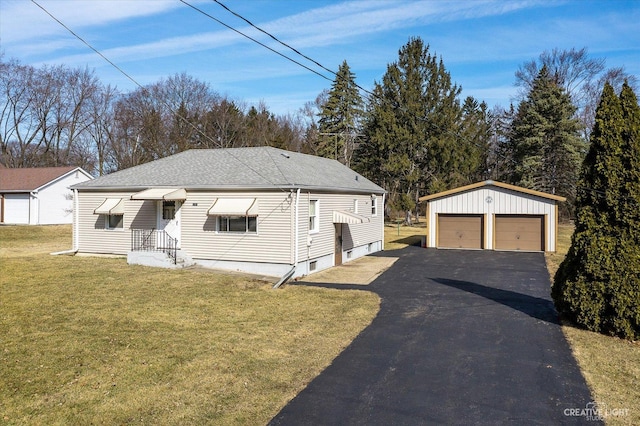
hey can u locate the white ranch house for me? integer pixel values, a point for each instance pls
(38, 195)
(258, 210)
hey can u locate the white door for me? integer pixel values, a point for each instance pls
(169, 218)
(16, 208)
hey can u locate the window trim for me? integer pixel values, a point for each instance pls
(169, 206)
(107, 222)
(374, 206)
(247, 228)
(316, 227)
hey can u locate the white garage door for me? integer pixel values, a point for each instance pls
(16, 208)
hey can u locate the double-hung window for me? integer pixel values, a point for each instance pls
(314, 216)
(374, 206)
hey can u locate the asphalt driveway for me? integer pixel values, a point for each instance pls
(462, 337)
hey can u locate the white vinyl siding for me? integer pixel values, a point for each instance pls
(270, 243)
(323, 242)
(95, 237)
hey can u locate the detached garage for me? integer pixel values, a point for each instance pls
(494, 216)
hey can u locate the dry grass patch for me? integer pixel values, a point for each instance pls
(361, 271)
(610, 365)
(94, 341)
(29, 240)
(398, 237)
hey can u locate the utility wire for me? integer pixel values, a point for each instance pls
(254, 40)
(146, 91)
(286, 45)
(87, 44)
(265, 46)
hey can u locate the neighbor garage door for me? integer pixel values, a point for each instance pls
(519, 232)
(460, 231)
(16, 208)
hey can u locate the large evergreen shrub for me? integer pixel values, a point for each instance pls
(598, 284)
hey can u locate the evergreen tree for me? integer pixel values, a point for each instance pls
(598, 284)
(545, 141)
(475, 136)
(410, 129)
(340, 118)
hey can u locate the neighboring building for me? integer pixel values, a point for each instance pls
(492, 215)
(258, 209)
(38, 196)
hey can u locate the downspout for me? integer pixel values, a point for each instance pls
(297, 230)
(74, 231)
(382, 212)
(296, 245)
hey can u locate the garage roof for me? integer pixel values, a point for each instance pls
(30, 179)
(492, 183)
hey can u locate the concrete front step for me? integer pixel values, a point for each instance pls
(159, 259)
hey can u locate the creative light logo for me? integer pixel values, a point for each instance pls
(596, 411)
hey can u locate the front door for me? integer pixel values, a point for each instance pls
(169, 219)
(338, 248)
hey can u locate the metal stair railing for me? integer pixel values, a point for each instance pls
(154, 240)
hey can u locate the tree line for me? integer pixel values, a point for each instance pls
(414, 135)
(56, 115)
(411, 133)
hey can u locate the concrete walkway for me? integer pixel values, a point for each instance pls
(462, 337)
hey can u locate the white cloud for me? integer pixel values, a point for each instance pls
(23, 20)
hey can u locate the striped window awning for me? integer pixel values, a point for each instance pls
(111, 206)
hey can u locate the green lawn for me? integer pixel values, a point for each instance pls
(92, 340)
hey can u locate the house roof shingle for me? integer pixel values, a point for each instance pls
(30, 179)
(237, 168)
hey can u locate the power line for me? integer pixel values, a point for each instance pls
(254, 40)
(276, 39)
(146, 91)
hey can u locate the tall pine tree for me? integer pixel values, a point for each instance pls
(410, 128)
(545, 141)
(340, 118)
(598, 284)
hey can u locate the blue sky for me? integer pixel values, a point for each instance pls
(482, 42)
